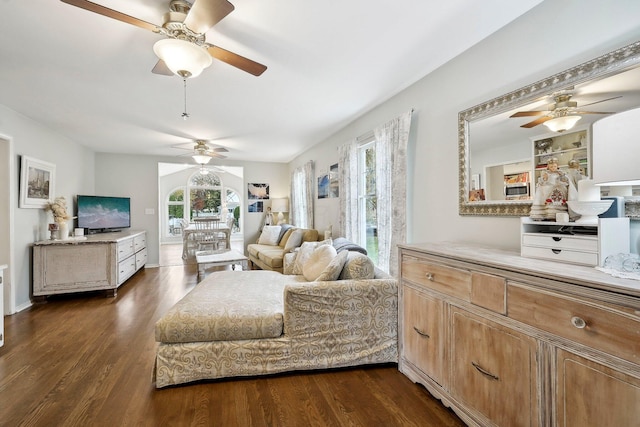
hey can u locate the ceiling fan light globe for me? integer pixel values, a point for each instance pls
(183, 58)
(201, 159)
(561, 124)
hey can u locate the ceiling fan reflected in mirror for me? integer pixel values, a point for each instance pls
(184, 51)
(202, 153)
(562, 115)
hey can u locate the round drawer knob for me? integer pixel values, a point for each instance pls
(578, 322)
(430, 276)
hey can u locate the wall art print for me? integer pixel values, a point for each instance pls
(256, 207)
(37, 183)
(257, 191)
(323, 186)
(334, 187)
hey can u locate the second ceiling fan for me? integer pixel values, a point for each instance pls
(184, 26)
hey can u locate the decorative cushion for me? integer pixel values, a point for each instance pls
(284, 236)
(318, 261)
(333, 270)
(357, 267)
(270, 235)
(342, 244)
(304, 252)
(294, 240)
(283, 229)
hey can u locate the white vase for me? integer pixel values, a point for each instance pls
(63, 231)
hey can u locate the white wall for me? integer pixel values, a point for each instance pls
(74, 174)
(554, 36)
(137, 177)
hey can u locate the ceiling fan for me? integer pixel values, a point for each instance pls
(184, 51)
(202, 152)
(561, 115)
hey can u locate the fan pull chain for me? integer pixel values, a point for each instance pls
(185, 115)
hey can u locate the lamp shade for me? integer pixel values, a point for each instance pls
(615, 149)
(183, 58)
(562, 123)
(201, 159)
(280, 205)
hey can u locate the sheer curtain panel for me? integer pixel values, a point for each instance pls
(302, 196)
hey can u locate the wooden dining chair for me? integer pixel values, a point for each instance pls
(207, 234)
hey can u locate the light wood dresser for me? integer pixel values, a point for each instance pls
(96, 262)
(510, 341)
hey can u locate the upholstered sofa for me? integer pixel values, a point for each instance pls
(268, 252)
(247, 323)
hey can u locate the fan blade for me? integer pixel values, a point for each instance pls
(204, 14)
(591, 112)
(236, 60)
(537, 122)
(161, 68)
(217, 156)
(529, 113)
(602, 100)
(110, 13)
(220, 150)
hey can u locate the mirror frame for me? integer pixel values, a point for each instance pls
(609, 64)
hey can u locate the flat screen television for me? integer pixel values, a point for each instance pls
(103, 214)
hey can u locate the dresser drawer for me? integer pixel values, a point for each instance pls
(139, 242)
(561, 241)
(560, 255)
(125, 249)
(613, 332)
(126, 269)
(448, 280)
(141, 258)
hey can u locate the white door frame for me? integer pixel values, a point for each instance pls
(7, 199)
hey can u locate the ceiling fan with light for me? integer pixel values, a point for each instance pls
(562, 115)
(202, 152)
(184, 51)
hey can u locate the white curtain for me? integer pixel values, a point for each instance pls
(302, 196)
(348, 179)
(391, 187)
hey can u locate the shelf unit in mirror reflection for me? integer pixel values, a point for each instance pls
(572, 149)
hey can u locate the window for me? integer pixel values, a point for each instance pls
(175, 211)
(204, 195)
(367, 199)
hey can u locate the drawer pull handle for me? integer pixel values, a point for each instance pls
(430, 276)
(578, 322)
(485, 372)
(556, 251)
(557, 239)
(422, 334)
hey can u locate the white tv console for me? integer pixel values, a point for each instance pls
(91, 263)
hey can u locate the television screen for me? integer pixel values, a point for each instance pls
(104, 213)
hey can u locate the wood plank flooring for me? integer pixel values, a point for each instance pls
(87, 360)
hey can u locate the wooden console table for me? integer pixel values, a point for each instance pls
(510, 341)
(95, 262)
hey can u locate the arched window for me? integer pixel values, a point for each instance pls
(175, 211)
(205, 195)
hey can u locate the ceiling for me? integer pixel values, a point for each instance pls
(89, 77)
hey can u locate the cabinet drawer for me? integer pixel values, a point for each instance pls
(448, 280)
(126, 269)
(560, 241)
(141, 259)
(125, 249)
(139, 242)
(489, 291)
(561, 255)
(613, 332)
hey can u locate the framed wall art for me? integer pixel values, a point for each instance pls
(323, 186)
(334, 187)
(37, 182)
(257, 191)
(255, 207)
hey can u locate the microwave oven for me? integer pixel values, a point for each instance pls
(518, 190)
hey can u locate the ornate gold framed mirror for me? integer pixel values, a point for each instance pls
(487, 131)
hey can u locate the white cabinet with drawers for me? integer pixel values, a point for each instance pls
(95, 262)
(573, 242)
(505, 340)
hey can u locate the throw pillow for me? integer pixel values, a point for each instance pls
(283, 229)
(318, 261)
(294, 240)
(304, 252)
(333, 270)
(270, 235)
(357, 267)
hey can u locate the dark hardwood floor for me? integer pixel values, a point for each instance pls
(87, 360)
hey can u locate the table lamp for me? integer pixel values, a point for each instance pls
(280, 206)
